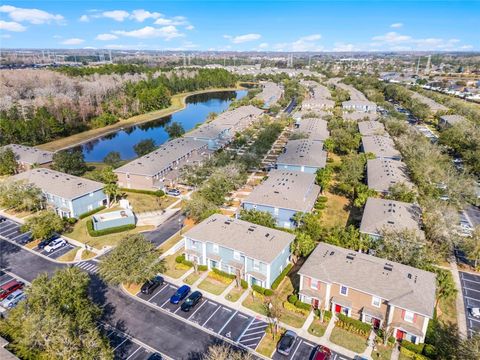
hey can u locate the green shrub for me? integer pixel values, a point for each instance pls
(223, 273)
(301, 305)
(320, 206)
(179, 259)
(322, 199)
(293, 308)
(327, 315)
(292, 299)
(268, 292)
(187, 263)
(411, 355)
(91, 212)
(392, 340)
(258, 289)
(353, 325)
(113, 230)
(202, 267)
(417, 349)
(158, 193)
(244, 284)
(430, 351)
(280, 277)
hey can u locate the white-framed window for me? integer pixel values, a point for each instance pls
(275, 211)
(91, 194)
(314, 284)
(408, 316)
(376, 301)
(256, 265)
(236, 255)
(215, 248)
(343, 290)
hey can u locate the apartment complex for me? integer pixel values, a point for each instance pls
(314, 129)
(370, 289)
(370, 128)
(320, 98)
(68, 195)
(271, 93)
(380, 146)
(257, 253)
(384, 173)
(302, 155)
(28, 157)
(360, 106)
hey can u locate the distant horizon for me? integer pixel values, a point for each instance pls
(242, 26)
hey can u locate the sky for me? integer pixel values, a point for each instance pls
(242, 25)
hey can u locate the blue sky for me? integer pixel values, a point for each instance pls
(242, 25)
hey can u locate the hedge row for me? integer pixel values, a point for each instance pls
(327, 315)
(91, 212)
(158, 193)
(425, 350)
(181, 260)
(261, 290)
(291, 307)
(280, 277)
(412, 355)
(353, 325)
(112, 230)
(244, 284)
(223, 273)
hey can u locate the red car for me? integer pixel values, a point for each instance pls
(9, 287)
(322, 353)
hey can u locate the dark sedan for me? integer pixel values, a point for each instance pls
(191, 301)
(180, 294)
(151, 285)
(285, 344)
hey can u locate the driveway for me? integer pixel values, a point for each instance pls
(471, 298)
(166, 230)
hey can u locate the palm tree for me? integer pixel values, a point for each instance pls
(445, 287)
(112, 191)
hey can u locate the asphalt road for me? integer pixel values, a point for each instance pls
(158, 330)
(166, 230)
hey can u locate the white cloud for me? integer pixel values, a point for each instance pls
(305, 43)
(396, 25)
(117, 15)
(5, 36)
(176, 21)
(106, 37)
(11, 26)
(84, 18)
(313, 37)
(263, 45)
(398, 42)
(141, 15)
(72, 41)
(392, 38)
(33, 16)
(166, 32)
(190, 27)
(339, 46)
(239, 39)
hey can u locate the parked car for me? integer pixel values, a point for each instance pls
(180, 294)
(43, 243)
(155, 356)
(2, 219)
(475, 312)
(285, 344)
(55, 244)
(173, 192)
(12, 300)
(321, 353)
(10, 287)
(191, 300)
(152, 284)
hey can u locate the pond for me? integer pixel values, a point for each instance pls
(196, 111)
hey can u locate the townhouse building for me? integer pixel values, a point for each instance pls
(67, 195)
(381, 146)
(385, 294)
(450, 120)
(283, 194)
(359, 105)
(384, 173)
(370, 127)
(314, 129)
(256, 253)
(28, 157)
(381, 215)
(270, 94)
(432, 104)
(360, 116)
(302, 155)
(161, 168)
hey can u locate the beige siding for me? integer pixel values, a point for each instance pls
(418, 320)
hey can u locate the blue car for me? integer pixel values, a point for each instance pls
(181, 293)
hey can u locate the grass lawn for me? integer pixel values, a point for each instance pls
(144, 203)
(87, 254)
(190, 279)
(447, 311)
(256, 304)
(382, 353)
(174, 269)
(32, 244)
(235, 294)
(317, 328)
(19, 214)
(69, 256)
(285, 289)
(133, 289)
(335, 213)
(268, 345)
(79, 233)
(348, 340)
(213, 285)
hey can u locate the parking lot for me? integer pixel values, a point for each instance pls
(471, 298)
(303, 350)
(223, 320)
(10, 230)
(5, 278)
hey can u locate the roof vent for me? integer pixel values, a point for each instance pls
(388, 267)
(227, 222)
(332, 253)
(409, 275)
(351, 256)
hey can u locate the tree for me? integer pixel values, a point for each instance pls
(309, 224)
(361, 194)
(175, 130)
(401, 192)
(226, 352)
(262, 218)
(144, 147)
(347, 237)
(351, 173)
(57, 320)
(8, 162)
(112, 191)
(302, 246)
(43, 225)
(272, 312)
(198, 208)
(20, 196)
(446, 288)
(469, 348)
(471, 246)
(324, 177)
(70, 162)
(133, 261)
(113, 158)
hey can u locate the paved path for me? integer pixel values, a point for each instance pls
(461, 317)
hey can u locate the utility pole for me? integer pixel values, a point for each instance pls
(418, 66)
(429, 63)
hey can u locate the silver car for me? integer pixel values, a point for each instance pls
(55, 244)
(12, 300)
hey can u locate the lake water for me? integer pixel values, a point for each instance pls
(197, 109)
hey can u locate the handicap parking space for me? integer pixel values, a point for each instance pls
(254, 333)
(471, 297)
(235, 327)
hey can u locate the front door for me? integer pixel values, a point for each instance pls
(213, 264)
(338, 308)
(400, 334)
(315, 303)
(376, 323)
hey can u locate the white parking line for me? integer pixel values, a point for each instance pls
(139, 347)
(22, 234)
(193, 313)
(254, 333)
(120, 344)
(226, 323)
(263, 326)
(296, 349)
(3, 283)
(471, 289)
(163, 288)
(473, 281)
(218, 308)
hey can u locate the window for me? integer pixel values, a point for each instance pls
(275, 211)
(256, 265)
(91, 194)
(215, 248)
(344, 290)
(408, 316)
(314, 284)
(236, 255)
(376, 301)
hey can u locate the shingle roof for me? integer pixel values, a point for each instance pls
(371, 128)
(316, 129)
(380, 146)
(452, 119)
(287, 190)
(358, 103)
(30, 155)
(255, 241)
(161, 158)
(402, 286)
(433, 105)
(303, 152)
(270, 93)
(359, 115)
(382, 214)
(383, 173)
(58, 183)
